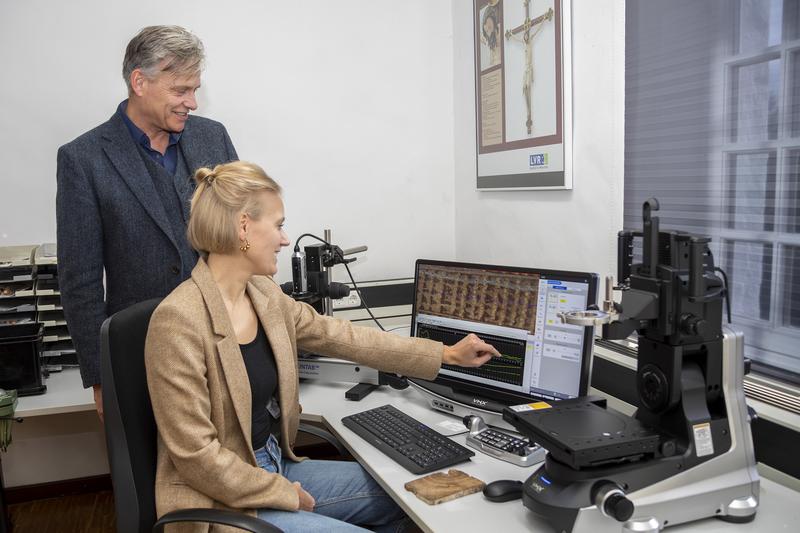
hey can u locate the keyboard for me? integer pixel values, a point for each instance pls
(416, 447)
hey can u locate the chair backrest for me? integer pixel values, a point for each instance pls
(130, 427)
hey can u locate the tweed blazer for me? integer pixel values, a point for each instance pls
(201, 398)
(112, 223)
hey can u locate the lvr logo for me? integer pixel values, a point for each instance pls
(537, 160)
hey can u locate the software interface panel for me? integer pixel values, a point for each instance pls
(516, 312)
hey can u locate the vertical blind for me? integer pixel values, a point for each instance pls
(712, 129)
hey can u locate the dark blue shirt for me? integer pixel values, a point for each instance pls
(170, 158)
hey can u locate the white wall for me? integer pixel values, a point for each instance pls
(574, 229)
(355, 108)
(348, 105)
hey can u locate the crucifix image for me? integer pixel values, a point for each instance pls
(525, 33)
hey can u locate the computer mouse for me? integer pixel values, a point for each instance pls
(503, 490)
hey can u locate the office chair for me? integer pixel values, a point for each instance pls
(131, 431)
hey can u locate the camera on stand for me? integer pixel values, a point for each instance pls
(311, 276)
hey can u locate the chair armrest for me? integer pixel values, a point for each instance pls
(216, 516)
(326, 436)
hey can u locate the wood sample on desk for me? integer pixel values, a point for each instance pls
(440, 487)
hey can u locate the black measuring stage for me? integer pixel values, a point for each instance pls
(582, 432)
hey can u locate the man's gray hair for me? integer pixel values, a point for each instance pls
(182, 50)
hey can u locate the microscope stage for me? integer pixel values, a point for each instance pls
(580, 433)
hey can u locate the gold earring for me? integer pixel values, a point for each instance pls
(245, 246)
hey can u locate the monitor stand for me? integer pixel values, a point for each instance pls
(458, 404)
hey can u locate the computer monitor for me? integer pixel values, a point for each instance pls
(515, 310)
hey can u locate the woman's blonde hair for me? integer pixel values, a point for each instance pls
(221, 196)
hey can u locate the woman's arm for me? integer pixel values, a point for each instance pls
(377, 349)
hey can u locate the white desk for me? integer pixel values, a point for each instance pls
(61, 438)
(325, 402)
(65, 394)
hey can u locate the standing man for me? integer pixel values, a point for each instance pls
(124, 188)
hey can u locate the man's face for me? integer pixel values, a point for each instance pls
(167, 100)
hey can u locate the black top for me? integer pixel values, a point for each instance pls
(263, 376)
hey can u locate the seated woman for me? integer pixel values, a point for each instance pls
(221, 358)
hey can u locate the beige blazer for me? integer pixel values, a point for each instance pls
(201, 393)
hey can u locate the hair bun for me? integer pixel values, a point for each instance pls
(204, 174)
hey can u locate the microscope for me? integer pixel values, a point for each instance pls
(687, 453)
(311, 266)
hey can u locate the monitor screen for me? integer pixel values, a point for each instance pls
(515, 310)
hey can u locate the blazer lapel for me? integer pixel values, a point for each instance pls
(228, 348)
(191, 148)
(191, 152)
(183, 182)
(124, 155)
(272, 320)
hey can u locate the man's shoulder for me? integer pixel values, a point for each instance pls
(88, 140)
(199, 123)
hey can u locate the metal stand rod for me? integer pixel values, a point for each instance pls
(327, 304)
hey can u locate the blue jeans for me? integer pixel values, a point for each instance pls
(344, 493)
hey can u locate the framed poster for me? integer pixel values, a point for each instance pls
(522, 94)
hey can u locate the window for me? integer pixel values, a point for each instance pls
(713, 131)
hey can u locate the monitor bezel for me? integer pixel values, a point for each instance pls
(498, 394)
